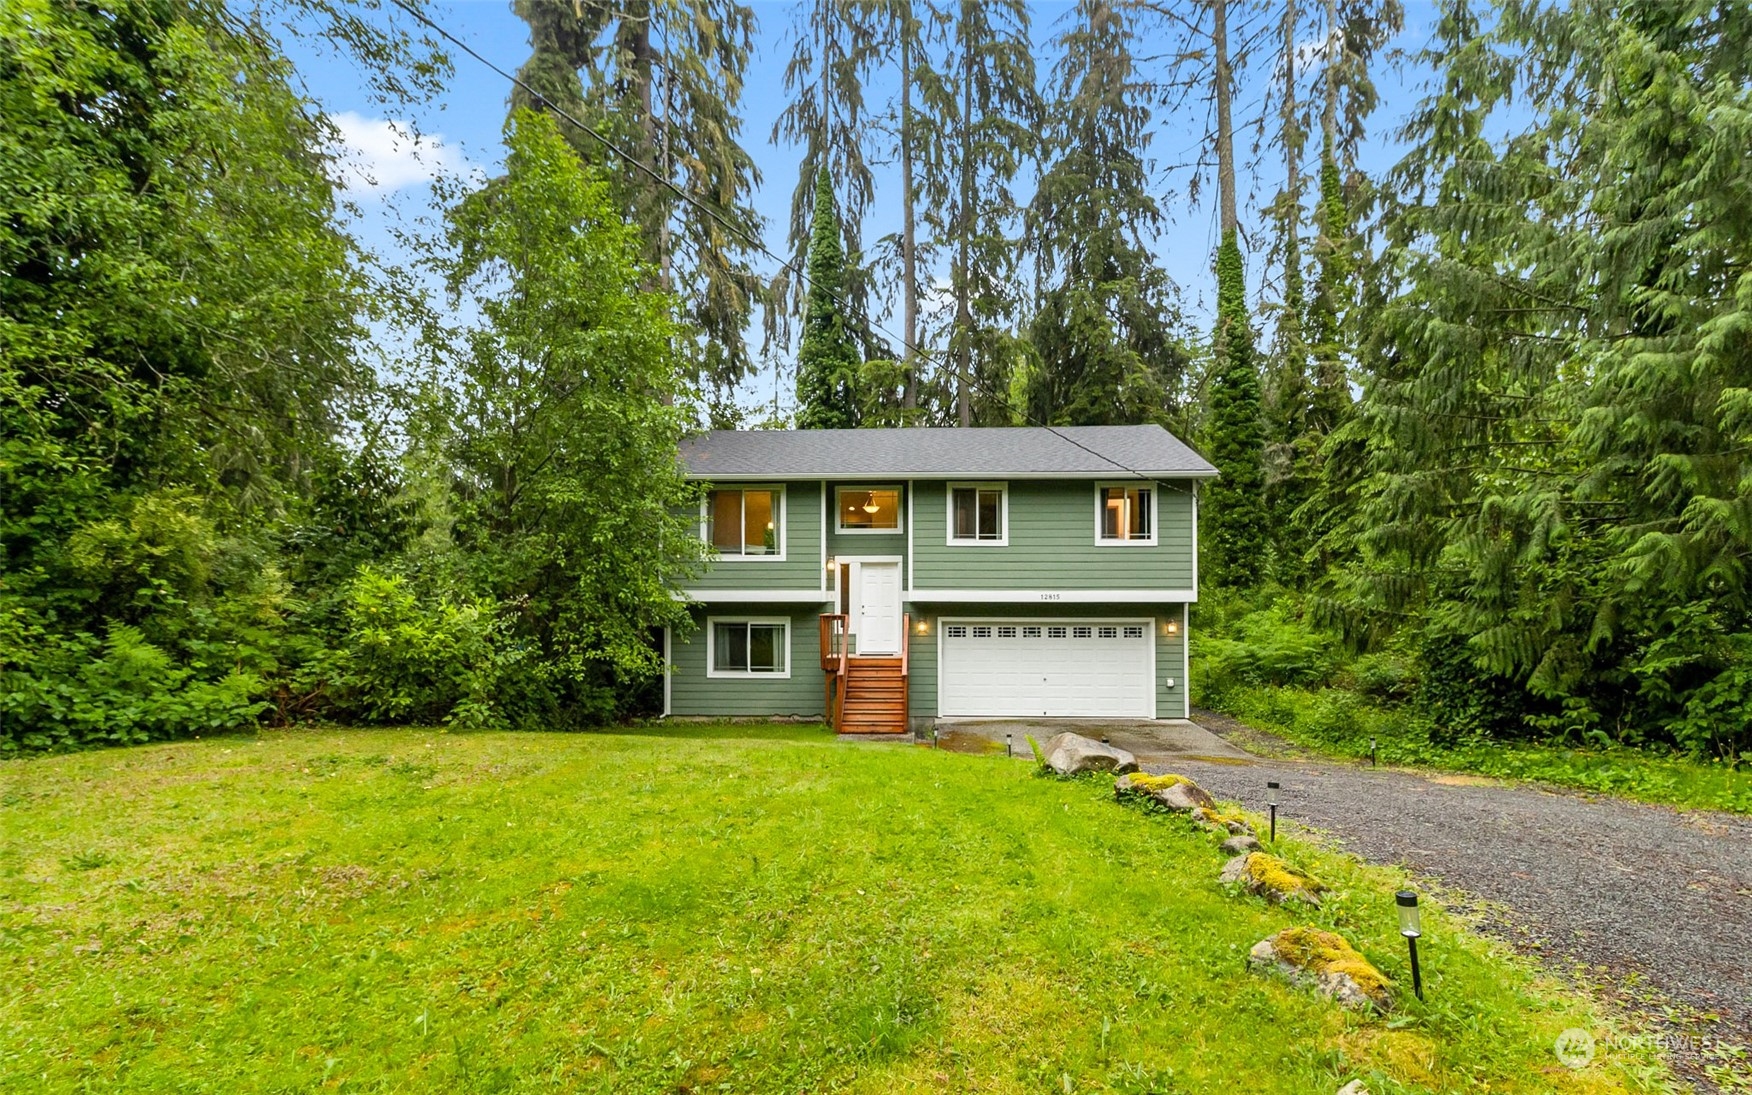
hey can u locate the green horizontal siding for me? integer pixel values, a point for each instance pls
(1170, 702)
(1052, 542)
(691, 692)
(802, 566)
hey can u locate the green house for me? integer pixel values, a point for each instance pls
(885, 579)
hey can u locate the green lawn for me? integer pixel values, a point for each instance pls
(686, 910)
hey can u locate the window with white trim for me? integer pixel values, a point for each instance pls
(979, 514)
(873, 510)
(1125, 514)
(746, 522)
(749, 648)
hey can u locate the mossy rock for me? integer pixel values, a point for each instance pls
(1271, 878)
(1217, 821)
(1169, 791)
(1324, 960)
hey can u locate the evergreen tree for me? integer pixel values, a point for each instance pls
(827, 360)
(1233, 533)
(663, 80)
(1290, 445)
(1102, 331)
(1557, 476)
(833, 55)
(985, 113)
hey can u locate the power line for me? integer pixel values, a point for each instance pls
(736, 230)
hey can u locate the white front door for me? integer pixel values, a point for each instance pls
(1052, 668)
(876, 607)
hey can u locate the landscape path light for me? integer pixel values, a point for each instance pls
(1372, 761)
(1008, 751)
(1410, 927)
(1271, 789)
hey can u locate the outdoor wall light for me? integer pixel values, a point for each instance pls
(1271, 793)
(1173, 627)
(1412, 929)
(924, 628)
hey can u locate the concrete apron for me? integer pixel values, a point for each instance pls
(1150, 740)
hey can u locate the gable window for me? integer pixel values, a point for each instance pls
(979, 514)
(874, 510)
(749, 648)
(746, 523)
(1125, 515)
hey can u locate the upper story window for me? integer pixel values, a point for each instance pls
(746, 523)
(1125, 514)
(979, 514)
(874, 510)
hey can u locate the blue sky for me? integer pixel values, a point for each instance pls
(461, 131)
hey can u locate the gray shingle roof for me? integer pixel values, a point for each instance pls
(1009, 452)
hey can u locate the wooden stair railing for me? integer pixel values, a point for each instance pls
(834, 626)
(864, 695)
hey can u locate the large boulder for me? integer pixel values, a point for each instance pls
(1168, 791)
(1071, 754)
(1271, 878)
(1310, 956)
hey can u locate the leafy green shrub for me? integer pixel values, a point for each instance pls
(405, 658)
(63, 692)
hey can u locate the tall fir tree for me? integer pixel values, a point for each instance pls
(1290, 448)
(835, 50)
(985, 111)
(663, 80)
(827, 359)
(1234, 535)
(1103, 329)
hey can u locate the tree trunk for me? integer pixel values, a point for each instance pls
(1292, 140)
(1334, 58)
(963, 234)
(1225, 125)
(909, 395)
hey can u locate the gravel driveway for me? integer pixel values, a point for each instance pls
(1629, 891)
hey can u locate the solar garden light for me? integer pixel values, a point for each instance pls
(1372, 761)
(934, 744)
(1271, 788)
(1104, 740)
(1410, 927)
(1008, 752)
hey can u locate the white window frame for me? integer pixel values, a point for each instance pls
(779, 523)
(1003, 490)
(839, 511)
(712, 670)
(1155, 514)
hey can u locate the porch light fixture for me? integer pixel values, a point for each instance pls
(1271, 789)
(1173, 627)
(924, 627)
(1410, 927)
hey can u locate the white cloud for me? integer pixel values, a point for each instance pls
(382, 155)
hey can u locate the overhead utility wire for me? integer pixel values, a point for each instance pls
(736, 230)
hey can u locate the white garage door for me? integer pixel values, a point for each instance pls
(1029, 668)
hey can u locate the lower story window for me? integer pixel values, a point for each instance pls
(753, 647)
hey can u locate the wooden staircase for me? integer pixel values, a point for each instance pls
(864, 695)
